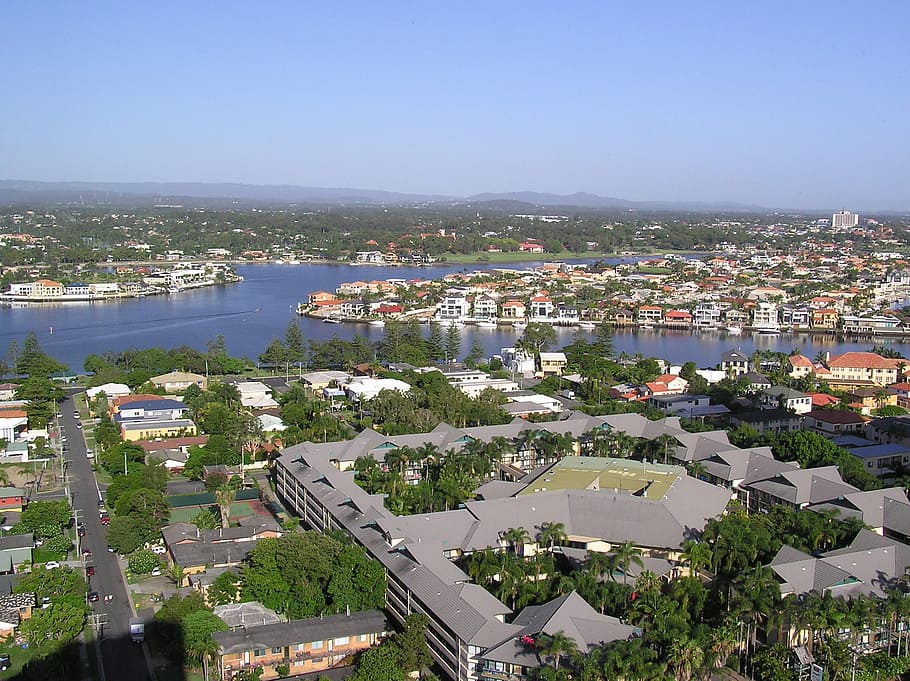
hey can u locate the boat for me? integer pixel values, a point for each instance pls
(331, 320)
(173, 289)
(768, 330)
(519, 325)
(587, 326)
(377, 322)
(486, 324)
(647, 326)
(453, 323)
(733, 329)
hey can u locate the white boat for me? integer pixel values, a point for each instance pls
(486, 324)
(331, 320)
(377, 322)
(587, 326)
(519, 325)
(733, 329)
(768, 330)
(454, 323)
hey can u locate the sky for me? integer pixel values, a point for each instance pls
(780, 104)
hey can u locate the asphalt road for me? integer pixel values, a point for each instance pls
(123, 660)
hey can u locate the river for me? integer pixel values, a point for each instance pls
(250, 314)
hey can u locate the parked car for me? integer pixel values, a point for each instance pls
(160, 550)
(81, 530)
(75, 413)
(105, 519)
(86, 554)
(110, 549)
(90, 571)
(5, 662)
(51, 564)
(93, 597)
(156, 572)
(79, 425)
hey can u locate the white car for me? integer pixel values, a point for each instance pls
(51, 564)
(156, 572)
(160, 550)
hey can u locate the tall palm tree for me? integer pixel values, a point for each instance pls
(556, 646)
(685, 659)
(696, 554)
(627, 554)
(224, 497)
(551, 534)
(203, 651)
(516, 538)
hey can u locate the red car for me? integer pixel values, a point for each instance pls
(105, 520)
(90, 571)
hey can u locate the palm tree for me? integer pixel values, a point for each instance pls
(224, 497)
(203, 651)
(175, 572)
(598, 563)
(686, 659)
(516, 538)
(696, 554)
(556, 646)
(552, 534)
(627, 554)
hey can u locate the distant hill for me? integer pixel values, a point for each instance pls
(199, 193)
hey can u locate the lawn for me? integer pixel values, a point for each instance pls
(18, 657)
(185, 514)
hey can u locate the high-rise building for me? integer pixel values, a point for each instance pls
(844, 219)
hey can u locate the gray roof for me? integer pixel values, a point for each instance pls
(804, 486)
(879, 508)
(17, 541)
(250, 614)
(280, 634)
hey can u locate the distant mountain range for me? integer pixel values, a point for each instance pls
(219, 194)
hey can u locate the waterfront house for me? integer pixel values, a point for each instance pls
(540, 306)
(485, 307)
(453, 306)
(826, 319)
(513, 309)
(869, 325)
(764, 316)
(795, 316)
(865, 366)
(667, 384)
(677, 319)
(707, 315)
(650, 314)
(320, 297)
(305, 646)
(178, 381)
(354, 307)
(45, 288)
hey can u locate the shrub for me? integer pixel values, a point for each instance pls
(142, 562)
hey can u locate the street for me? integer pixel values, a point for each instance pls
(123, 660)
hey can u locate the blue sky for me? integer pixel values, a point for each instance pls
(783, 104)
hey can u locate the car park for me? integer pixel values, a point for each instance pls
(51, 564)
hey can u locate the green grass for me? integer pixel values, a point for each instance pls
(18, 657)
(42, 555)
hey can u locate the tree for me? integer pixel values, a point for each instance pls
(626, 555)
(142, 562)
(556, 646)
(551, 534)
(293, 342)
(197, 628)
(536, 338)
(516, 538)
(452, 343)
(224, 497)
(224, 589)
(61, 621)
(412, 643)
(207, 519)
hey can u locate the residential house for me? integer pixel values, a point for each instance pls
(151, 410)
(320, 297)
(786, 398)
(8, 391)
(692, 406)
(178, 381)
(826, 319)
(11, 499)
(667, 384)
(355, 307)
(882, 459)
(552, 363)
(867, 399)
(869, 325)
(795, 488)
(310, 645)
(795, 317)
(678, 319)
(755, 382)
(764, 316)
(707, 315)
(540, 306)
(111, 391)
(485, 307)
(884, 511)
(14, 609)
(513, 309)
(15, 550)
(453, 306)
(735, 363)
(363, 388)
(831, 422)
(650, 314)
(864, 366)
(768, 420)
(255, 395)
(13, 424)
(800, 365)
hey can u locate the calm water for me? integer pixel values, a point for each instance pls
(252, 313)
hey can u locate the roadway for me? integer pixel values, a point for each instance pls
(122, 659)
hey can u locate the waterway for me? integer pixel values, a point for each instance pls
(250, 314)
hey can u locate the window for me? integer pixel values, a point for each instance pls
(342, 640)
(316, 645)
(258, 652)
(276, 651)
